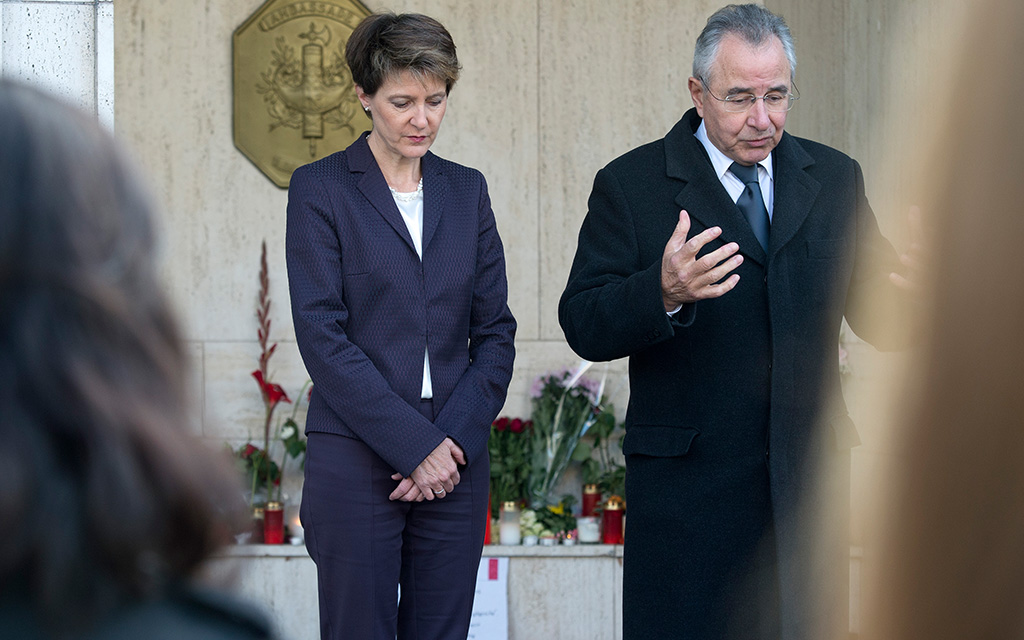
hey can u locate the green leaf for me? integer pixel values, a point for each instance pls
(590, 470)
(583, 452)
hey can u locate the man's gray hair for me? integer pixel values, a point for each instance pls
(751, 22)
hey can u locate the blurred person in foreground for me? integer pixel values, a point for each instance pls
(399, 296)
(951, 535)
(107, 502)
(722, 260)
(108, 505)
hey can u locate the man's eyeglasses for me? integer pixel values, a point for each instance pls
(741, 102)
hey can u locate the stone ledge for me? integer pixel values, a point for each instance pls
(490, 551)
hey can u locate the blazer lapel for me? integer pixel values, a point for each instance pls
(703, 196)
(795, 191)
(435, 194)
(375, 188)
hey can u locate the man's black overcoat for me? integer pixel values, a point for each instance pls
(726, 396)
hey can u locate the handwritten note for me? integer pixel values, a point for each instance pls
(490, 607)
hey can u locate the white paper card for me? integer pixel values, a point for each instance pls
(490, 607)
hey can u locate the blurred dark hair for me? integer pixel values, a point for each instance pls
(104, 495)
(384, 44)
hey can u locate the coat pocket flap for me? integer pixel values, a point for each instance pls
(845, 432)
(659, 442)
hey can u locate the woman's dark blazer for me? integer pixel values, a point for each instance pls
(365, 306)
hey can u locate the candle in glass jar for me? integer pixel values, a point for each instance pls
(295, 531)
(273, 523)
(589, 530)
(257, 526)
(612, 520)
(487, 531)
(508, 524)
(591, 498)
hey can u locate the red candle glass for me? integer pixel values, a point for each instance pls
(487, 531)
(591, 498)
(611, 520)
(257, 526)
(273, 523)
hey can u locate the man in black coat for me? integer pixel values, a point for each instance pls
(732, 345)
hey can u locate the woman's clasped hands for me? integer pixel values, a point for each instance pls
(435, 477)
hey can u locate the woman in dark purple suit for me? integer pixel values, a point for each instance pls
(399, 297)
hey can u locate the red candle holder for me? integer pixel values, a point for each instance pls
(273, 523)
(256, 526)
(591, 498)
(611, 520)
(487, 530)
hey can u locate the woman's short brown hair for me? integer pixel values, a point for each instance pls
(385, 44)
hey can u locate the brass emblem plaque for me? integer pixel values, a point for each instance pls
(293, 97)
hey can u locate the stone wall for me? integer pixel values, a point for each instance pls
(551, 91)
(66, 46)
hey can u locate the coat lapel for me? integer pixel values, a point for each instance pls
(795, 191)
(375, 188)
(703, 196)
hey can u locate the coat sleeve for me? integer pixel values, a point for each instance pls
(612, 306)
(480, 392)
(342, 373)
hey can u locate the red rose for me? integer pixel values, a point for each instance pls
(516, 426)
(249, 450)
(501, 424)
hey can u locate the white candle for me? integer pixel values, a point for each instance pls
(588, 530)
(509, 533)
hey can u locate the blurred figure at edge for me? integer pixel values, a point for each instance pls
(108, 505)
(951, 563)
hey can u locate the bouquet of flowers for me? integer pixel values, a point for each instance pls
(565, 405)
(262, 472)
(599, 462)
(551, 520)
(509, 446)
(258, 470)
(291, 436)
(558, 518)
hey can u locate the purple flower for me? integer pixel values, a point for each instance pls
(590, 387)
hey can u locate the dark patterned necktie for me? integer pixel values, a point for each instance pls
(751, 203)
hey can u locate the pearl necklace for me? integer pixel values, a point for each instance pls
(410, 196)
